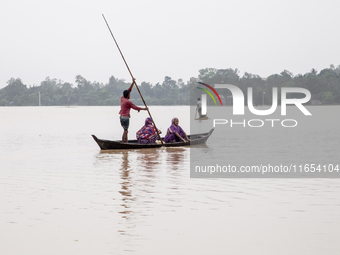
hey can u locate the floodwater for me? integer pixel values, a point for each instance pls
(294, 144)
(59, 194)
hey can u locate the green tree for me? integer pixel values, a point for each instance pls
(13, 91)
(327, 97)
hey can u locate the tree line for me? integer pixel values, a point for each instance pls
(324, 87)
(87, 93)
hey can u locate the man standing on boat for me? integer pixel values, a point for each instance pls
(125, 106)
(199, 108)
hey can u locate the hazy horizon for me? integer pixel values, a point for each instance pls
(62, 39)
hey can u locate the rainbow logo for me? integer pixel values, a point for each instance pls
(208, 92)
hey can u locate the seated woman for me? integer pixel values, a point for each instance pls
(147, 134)
(175, 133)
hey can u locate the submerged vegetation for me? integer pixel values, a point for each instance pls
(324, 87)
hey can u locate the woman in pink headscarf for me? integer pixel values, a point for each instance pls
(147, 134)
(175, 133)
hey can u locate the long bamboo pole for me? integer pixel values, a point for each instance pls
(133, 79)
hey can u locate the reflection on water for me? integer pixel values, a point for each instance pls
(126, 183)
(144, 175)
(175, 157)
(148, 159)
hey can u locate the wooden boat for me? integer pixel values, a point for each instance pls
(203, 118)
(133, 144)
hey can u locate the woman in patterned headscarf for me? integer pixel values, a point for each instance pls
(147, 134)
(175, 133)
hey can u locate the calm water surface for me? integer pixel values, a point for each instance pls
(60, 195)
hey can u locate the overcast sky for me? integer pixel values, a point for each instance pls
(65, 38)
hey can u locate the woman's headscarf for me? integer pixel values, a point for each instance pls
(147, 130)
